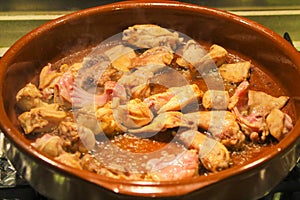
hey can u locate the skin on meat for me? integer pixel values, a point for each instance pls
(41, 119)
(221, 124)
(236, 72)
(184, 166)
(175, 98)
(215, 99)
(149, 36)
(213, 155)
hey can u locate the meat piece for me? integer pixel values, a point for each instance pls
(121, 57)
(215, 99)
(262, 103)
(279, 124)
(160, 55)
(29, 97)
(76, 137)
(69, 159)
(183, 166)
(240, 96)
(213, 155)
(161, 122)
(134, 114)
(175, 98)
(133, 81)
(150, 35)
(221, 124)
(52, 145)
(96, 67)
(183, 96)
(86, 116)
(191, 53)
(236, 72)
(251, 109)
(106, 120)
(81, 98)
(41, 119)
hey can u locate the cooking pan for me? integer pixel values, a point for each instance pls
(73, 34)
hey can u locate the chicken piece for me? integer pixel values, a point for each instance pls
(213, 155)
(221, 124)
(184, 165)
(81, 98)
(29, 97)
(52, 145)
(150, 35)
(121, 57)
(184, 95)
(41, 119)
(191, 53)
(133, 81)
(160, 55)
(86, 116)
(134, 114)
(76, 137)
(72, 160)
(107, 122)
(236, 72)
(251, 109)
(240, 96)
(161, 122)
(262, 103)
(175, 98)
(96, 67)
(47, 79)
(215, 99)
(279, 124)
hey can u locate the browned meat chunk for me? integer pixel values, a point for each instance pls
(149, 35)
(215, 99)
(160, 55)
(41, 119)
(221, 124)
(76, 137)
(161, 122)
(213, 155)
(52, 145)
(236, 72)
(121, 57)
(175, 98)
(279, 124)
(29, 97)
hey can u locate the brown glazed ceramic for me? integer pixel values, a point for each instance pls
(80, 30)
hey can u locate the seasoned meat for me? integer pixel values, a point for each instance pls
(215, 99)
(183, 166)
(251, 109)
(41, 119)
(213, 155)
(76, 137)
(235, 72)
(134, 114)
(121, 57)
(160, 55)
(175, 98)
(191, 53)
(149, 35)
(279, 124)
(221, 124)
(72, 160)
(29, 97)
(161, 122)
(52, 145)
